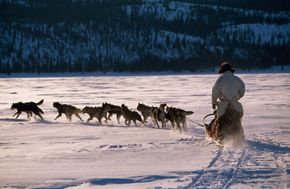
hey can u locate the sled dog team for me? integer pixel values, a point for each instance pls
(228, 111)
(161, 114)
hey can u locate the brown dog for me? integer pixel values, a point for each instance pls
(68, 110)
(97, 112)
(177, 117)
(113, 109)
(158, 114)
(130, 115)
(146, 111)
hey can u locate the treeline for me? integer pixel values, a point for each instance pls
(118, 35)
(58, 10)
(269, 5)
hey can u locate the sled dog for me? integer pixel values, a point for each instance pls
(113, 109)
(177, 117)
(66, 109)
(146, 111)
(28, 108)
(130, 116)
(158, 114)
(97, 112)
(169, 116)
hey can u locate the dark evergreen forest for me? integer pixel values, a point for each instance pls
(41, 36)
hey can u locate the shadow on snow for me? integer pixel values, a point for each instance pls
(259, 146)
(109, 181)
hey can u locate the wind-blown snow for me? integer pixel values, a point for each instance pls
(60, 154)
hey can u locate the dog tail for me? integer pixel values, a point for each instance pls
(185, 113)
(40, 102)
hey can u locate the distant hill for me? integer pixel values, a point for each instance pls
(142, 35)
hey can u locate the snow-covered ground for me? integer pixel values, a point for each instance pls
(60, 154)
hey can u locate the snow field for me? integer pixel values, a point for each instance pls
(62, 154)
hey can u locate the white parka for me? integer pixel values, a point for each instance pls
(228, 88)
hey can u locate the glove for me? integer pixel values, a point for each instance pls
(213, 106)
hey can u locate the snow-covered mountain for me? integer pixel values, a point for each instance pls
(42, 36)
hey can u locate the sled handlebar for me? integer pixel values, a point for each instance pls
(206, 117)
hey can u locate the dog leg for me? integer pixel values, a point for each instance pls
(28, 115)
(143, 124)
(90, 118)
(108, 116)
(68, 117)
(77, 114)
(39, 115)
(185, 126)
(155, 120)
(179, 127)
(15, 114)
(118, 121)
(145, 118)
(173, 125)
(59, 115)
(18, 114)
(157, 124)
(163, 124)
(129, 123)
(118, 118)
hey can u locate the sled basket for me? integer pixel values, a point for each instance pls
(219, 131)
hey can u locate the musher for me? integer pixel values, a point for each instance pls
(226, 92)
(228, 89)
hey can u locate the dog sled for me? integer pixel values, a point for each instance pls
(225, 129)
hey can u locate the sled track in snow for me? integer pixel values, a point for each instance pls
(240, 160)
(221, 171)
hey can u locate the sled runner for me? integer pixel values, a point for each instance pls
(226, 128)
